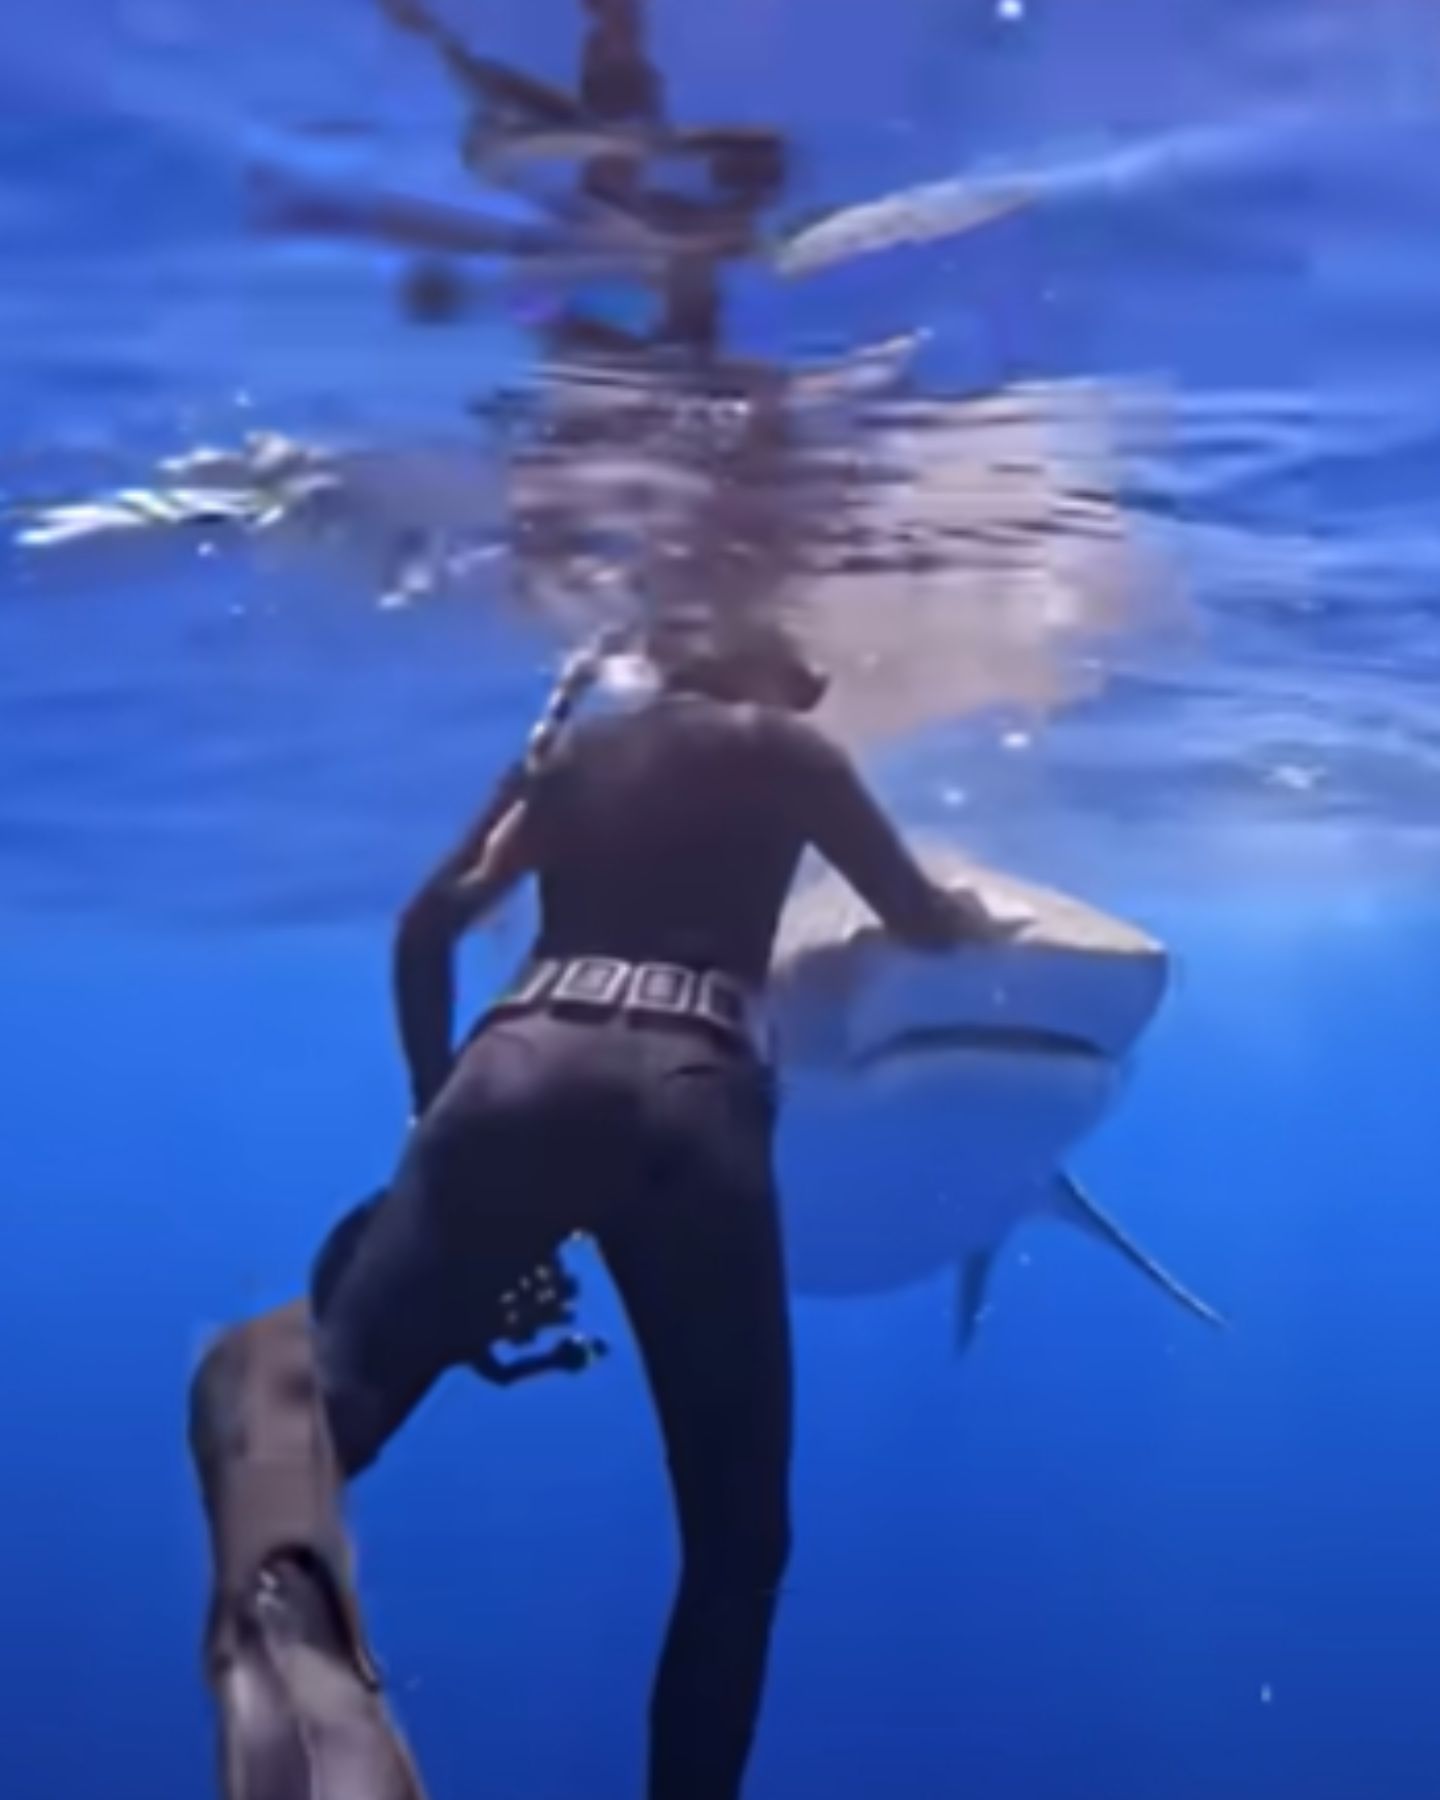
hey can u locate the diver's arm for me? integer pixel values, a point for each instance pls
(852, 832)
(469, 883)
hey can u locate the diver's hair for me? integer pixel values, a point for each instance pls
(576, 678)
(578, 675)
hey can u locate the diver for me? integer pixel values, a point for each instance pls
(620, 1088)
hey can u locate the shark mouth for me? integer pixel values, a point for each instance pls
(936, 1040)
(1066, 1200)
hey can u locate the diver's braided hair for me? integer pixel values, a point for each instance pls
(578, 675)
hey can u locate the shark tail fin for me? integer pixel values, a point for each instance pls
(1073, 1204)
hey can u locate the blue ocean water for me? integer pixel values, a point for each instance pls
(1107, 1553)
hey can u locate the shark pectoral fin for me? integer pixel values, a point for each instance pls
(972, 1284)
(1074, 1205)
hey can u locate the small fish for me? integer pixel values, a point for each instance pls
(917, 215)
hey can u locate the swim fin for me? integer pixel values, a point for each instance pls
(298, 1719)
(301, 1713)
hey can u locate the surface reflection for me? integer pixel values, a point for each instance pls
(944, 553)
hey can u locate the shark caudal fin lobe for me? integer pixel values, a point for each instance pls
(1075, 1206)
(972, 1286)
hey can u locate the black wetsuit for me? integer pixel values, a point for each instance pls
(668, 834)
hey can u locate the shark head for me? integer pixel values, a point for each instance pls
(931, 1100)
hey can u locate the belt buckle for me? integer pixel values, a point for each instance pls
(721, 1002)
(595, 981)
(664, 988)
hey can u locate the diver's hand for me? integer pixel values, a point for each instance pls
(973, 922)
(959, 917)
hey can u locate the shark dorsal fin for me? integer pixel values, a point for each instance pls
(1075, 1206)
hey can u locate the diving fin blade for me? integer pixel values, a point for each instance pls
(297, 1691)
(298, 1721)
(1075, 1206)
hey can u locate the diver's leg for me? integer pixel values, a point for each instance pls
(288, 1407)
(701, 1273)
(300, 1711)
(284, 1409)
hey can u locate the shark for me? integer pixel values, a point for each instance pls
(931, 1100)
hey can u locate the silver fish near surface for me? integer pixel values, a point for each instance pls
(923, 214)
